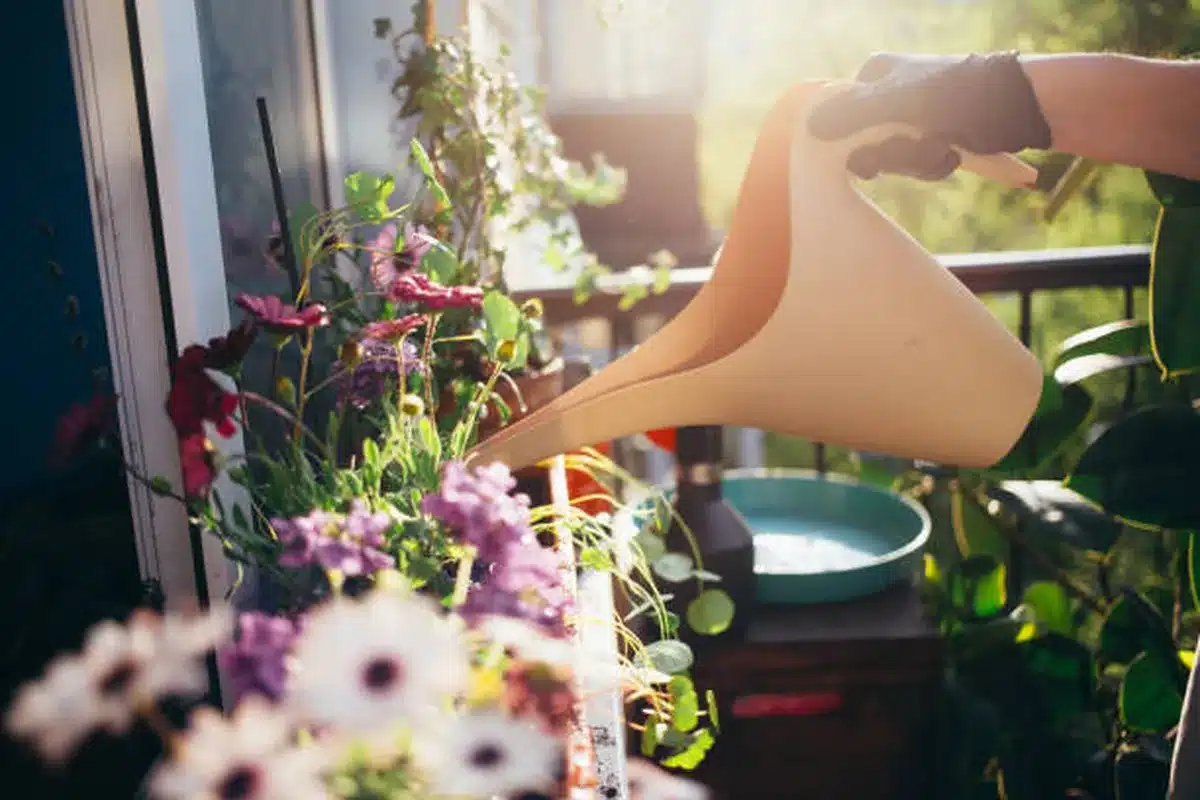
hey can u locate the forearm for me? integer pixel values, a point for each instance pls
(1121, 109)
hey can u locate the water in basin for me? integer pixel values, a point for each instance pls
(807, 547)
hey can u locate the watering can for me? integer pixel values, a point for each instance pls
(823, 319)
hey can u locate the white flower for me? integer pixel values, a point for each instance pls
(488, 754)
(363, 665)
(177, 664)
(247, 756)
(120, 669)
(648, 782)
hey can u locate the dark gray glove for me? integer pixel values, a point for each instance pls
(981, 103)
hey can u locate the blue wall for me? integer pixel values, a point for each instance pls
(47, 218)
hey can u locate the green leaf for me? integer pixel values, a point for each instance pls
(428, 436)
(711, 612)
(501, 315)
(978, 587)
(691, 757)
(1174, 310)
(1146, 468)
(1149, 701)
(651, 545)
(1050, 606)
(370, 453)
(1131, 626)
(673, 567)
(597, 559)
(161, 486)
(632, 295)
(1048, 431)
(649, 741)
(426, 166)
(285, 391)
(368, 194)
(1084, 368)
(1050, 511)
(976, 532)
(1127, 337)
(710, 702)
(687, 705)
(1174, 191)
(440, 263)
(669, 656)
(1194, 568)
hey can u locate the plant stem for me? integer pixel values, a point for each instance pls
(301, 400)
(300, 427)
(426, 357)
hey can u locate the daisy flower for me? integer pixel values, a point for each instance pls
(247, 756)
(366, 664)
(120, 669)
(526, 640)
(490, 754)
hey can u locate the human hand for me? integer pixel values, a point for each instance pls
(983, 104)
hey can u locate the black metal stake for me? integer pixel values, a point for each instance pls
(285, 231)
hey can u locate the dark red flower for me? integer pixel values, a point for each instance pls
(416, 287)
(195, 398)
(226, 352)
(197, 456)
(83, 425)
(390, 330)
(269, 312)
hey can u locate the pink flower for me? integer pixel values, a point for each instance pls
(277, 317)
(386, 263)
(415, 287)
(390, 330)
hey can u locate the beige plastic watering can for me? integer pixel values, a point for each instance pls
(823, 319)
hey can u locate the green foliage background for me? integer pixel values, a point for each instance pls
(805, 39)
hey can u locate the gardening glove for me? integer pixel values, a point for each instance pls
(984, 104)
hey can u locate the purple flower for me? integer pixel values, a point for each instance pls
(376, 364)
(257, 659)
(526, 584)
(477, 507)
(350, 543)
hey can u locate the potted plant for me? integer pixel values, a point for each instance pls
(426, 645)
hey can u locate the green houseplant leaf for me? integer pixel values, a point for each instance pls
(1174, 303)
(1173, 191)
(1127, 337)
(1149, 700)
(1061, 412)
(1050, 511)
(1145, 467)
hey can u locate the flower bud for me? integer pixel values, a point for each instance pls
(412, 405)
(506, 351)
(351, 353)
(533, 308)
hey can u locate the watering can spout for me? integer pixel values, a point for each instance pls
(822, 319)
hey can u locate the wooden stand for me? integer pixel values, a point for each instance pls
(829, 701)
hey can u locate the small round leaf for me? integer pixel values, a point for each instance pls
(711, 613)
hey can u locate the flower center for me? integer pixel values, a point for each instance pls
(382, 674)
(118, 678)
(240, 783)
(486, 756)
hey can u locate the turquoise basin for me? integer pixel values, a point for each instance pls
(822, 539)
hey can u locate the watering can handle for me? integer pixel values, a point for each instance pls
(1002, 167)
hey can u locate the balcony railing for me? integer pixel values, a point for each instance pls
(1023, 273)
